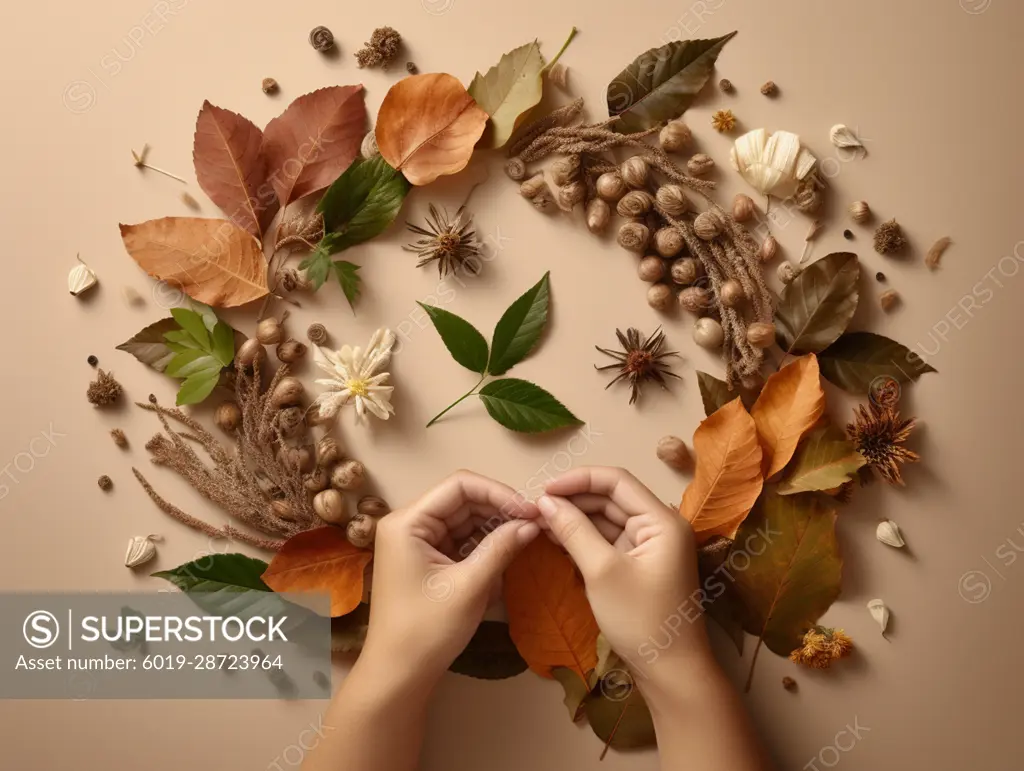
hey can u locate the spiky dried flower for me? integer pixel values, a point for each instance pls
(878, 433)
(723, 120)
(821, 646)
(889, 238)
(449, 242)
(639, 360)
(382, 48)
(104, 390)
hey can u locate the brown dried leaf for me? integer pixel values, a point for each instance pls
(212, 261)
(427, 127)
(789, 405)
(230, 167)
(312, 142)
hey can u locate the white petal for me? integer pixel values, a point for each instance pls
(327, 405)
(331, 384)
(325, 360)
(360, 409)
(380, 408)
(780, 154)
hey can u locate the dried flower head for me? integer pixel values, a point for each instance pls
(119, 437)
(449, 242)
(104, 390)
(321, 39)
(878, 432)
(889, 237)
(723, 120)
(381, 49)
(769, 88)
(639, 360)
(355, 375)
(821, 646)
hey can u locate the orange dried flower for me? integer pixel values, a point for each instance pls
(822, 645)
(723, 120)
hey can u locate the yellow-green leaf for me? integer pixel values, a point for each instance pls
(824, 460)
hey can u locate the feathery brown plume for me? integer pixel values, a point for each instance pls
(878, 433)
(639, 361)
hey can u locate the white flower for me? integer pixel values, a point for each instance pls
(355, 375)
(772, 165)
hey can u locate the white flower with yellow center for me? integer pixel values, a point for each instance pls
(355, 376)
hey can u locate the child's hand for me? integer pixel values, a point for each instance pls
(433, 577)
(638, 560)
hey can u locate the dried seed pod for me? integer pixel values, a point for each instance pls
(880, 613)
(515, 168)
(533, 187)
(269, 86)
(291, 422)
(743, 207)
(348, 475)
(361, 531)
(700, 163)
(119, 437)
(635, 203)
(768, 88)
(672, 451)
(808, 196)
(889, 299)
(327, 452)
(316, 480)
(888, 532)
(651, 268)
(282, 510)
(708, 333)
(675, 136)
(296, 458)
(141, 550)
(321, 38)
(544, 201)
(660, 297)
(634, 172)
(228, 416)
(368, 149)
(571, 194)
(934, 255)
(707, 225)
(290, 351)
(860, 212)
(81, 279)
(317, 334)
(672, 200)
(789, 683)
(559, 75)
(289, 390)
(250, 352)
(668, 242)
(610, 186)
(726, 85)
(685, 270)
(889, 237)
(373, 506)
(599, 214)
(105, 483)
(330, 506)
(769, 248)
(786, 272)
(731, 294)
(565, 170)
(695, 299)
(761, 334)
(268, 331)
(634, 237)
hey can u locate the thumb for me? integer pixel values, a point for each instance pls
(499, 547)
(577, 534)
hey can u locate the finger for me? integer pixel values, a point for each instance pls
(576, 533)
(619, 485)
(499, 547)
(464, 487)
(592, 504)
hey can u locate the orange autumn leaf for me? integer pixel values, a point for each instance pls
(790, 404)
(321, 560)
(727, 478)
(549, 617)
(427, 126)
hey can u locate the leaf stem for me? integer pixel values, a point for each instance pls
(753, 661)
(458, 401)
(558, 56)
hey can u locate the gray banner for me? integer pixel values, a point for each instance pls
(166, 645)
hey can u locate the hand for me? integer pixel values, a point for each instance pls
(638, 560)
(432, 580)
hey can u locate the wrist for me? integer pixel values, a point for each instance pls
(390, 673)
(677, 678)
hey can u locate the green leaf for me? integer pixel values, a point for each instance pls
(350, 280)
(180, 365)
(209, 315)
(509, 91)
(362, 202)
(520, 327)
(522, 406)
(317, 263)
(149, 345)
(824, 460)
(662, 83)
(223, 343)
(576, 691)
(715, 393)
(817, 305)
(192, 323)
(490, 654)
(466, 345)
(618, 713)
(183, 339)
(198, 386)
(858, 359)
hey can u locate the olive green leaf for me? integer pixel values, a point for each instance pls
(858, 359)
(149, 345)
(788, 585)
(576, 691)
(618, 713)
(522, 406)
(824, 460)
(490, 654)
(817, 305)
(350, 280)
(466, 345)
(715, 393)
(511, 89)
(519, 328)
(662, 83)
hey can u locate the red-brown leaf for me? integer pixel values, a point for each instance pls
(321, 560)
(312, 142)
(230, 167)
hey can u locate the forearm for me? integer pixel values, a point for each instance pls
(378, 717)
(699, 719)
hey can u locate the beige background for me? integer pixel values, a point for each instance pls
(931, 85)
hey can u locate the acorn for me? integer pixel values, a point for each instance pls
(685, 270)
(651, 269)
(742, 207)
(228, 416)
(268, 331)
(290, 351)
(599, 214)
(330, 506)
(373, 506)
(660, 297)
(348, 475)
(610, 186)
(731, 294)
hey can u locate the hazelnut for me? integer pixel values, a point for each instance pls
(291, 422)
(668, 242)
(786, 272)
(599, 214)
(268, 331)
(327, 451)
(316, 480)
(731, 294)
(685, 270)
(769, 248)
(251, 352)
(288, 391)
(361, 531)
(290, 351)
(860, 211)
(228, 416)
(634, 172)
(348, 475)
(672, 451)
(610, 186)
(700, 163)
(660, 297)
(296, 458)
(634, 236)
(635, 203)
(672, 200)
(675, 136)
(707, 225)
(373, 506)
(695, 299)
(761, 334)
(330, 506)
(651, 268)
(708, 333)
(742, 207)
